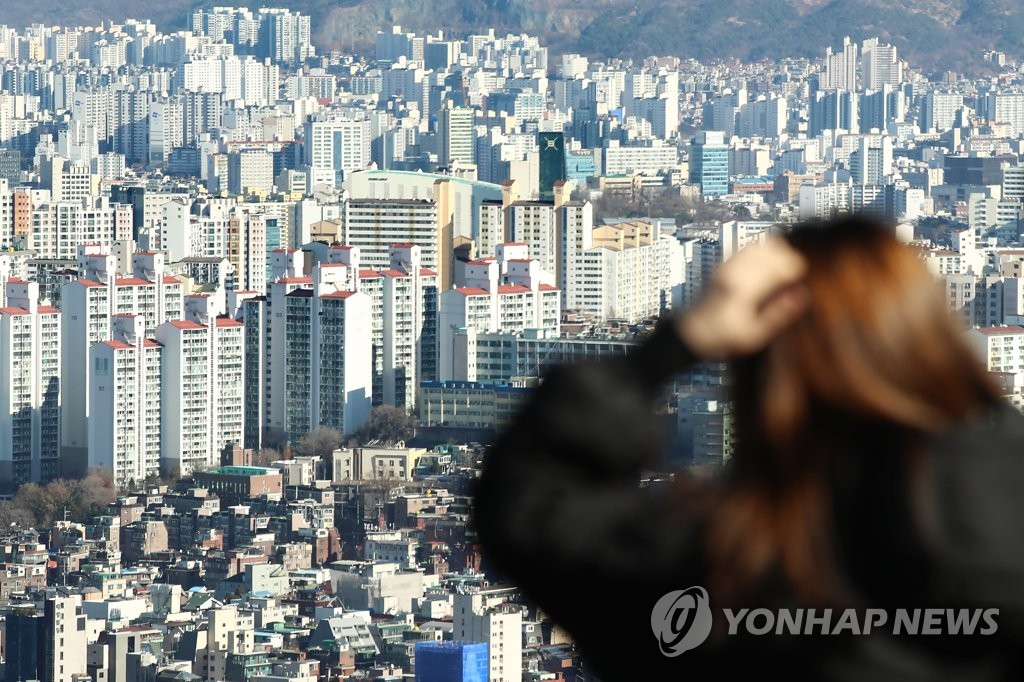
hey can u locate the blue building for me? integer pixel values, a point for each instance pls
(580, 165)
(451, 662)
(709, 163)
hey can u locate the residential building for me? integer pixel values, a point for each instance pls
(30, 391)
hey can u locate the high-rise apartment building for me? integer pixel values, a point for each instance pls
(30, 390)
(509, 294)
(89, 305)
(880, 65)
(456, 135)
(284, 36)
(318, 367)
(373, 225)
(628, 273)
(338, 145)
(59, 228)
(202, 387)
(487, 618)
(124, 425)
(840, 68)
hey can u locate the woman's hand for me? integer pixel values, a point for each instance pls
(751, 297)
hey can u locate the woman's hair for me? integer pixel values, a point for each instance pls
(877, 361)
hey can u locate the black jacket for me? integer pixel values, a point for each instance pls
(559, 511)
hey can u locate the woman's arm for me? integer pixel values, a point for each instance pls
(558, 508)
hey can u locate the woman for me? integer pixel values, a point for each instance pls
(876, 467)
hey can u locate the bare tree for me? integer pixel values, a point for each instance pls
(321, 442)
(387, 425)
(81, 499)
(265, 456)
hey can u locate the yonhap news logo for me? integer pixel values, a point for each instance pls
(681, 620)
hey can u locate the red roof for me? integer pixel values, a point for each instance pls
(427, 272)
(295, 280)
(228, 322)
(513, 289)
(547, 287)
(185, 324)
(471, 291)
(152, 343)
(369, 274)
(338, 294)
(118, 345)
(171, 280)
(131, 282)
(391, 272)
(514, 244)
(14, 311)
(16, 280)
(481, 261)
(520, 260)
(48, 310)
(403, 246)
(89, 283)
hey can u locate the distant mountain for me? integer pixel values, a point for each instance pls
(943, 33)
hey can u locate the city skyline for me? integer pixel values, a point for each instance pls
(264, 308)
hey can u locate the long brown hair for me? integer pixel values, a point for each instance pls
(876, 352)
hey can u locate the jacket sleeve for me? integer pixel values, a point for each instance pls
(974, 519)
(559, 509)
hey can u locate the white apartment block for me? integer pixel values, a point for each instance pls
(575, 236)
(319, 366)
(534, 223)
(30, 392)
(125, 403)
(628, 274)
(484, 618)
(977, 298)
(456, 135)
(457, 204)
(89, 305)
(59, 228)
(1001, 348)
(945, 262)
(404, 308)
(202, 388)
(250, 171)
(493, 301)
(409, 298)
(490, 226)
(825, 200)
(373, 225)
(337, 144)
(648, 160)
(236, 78)
(248, 248)
(1006, 108)
(880, 65)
